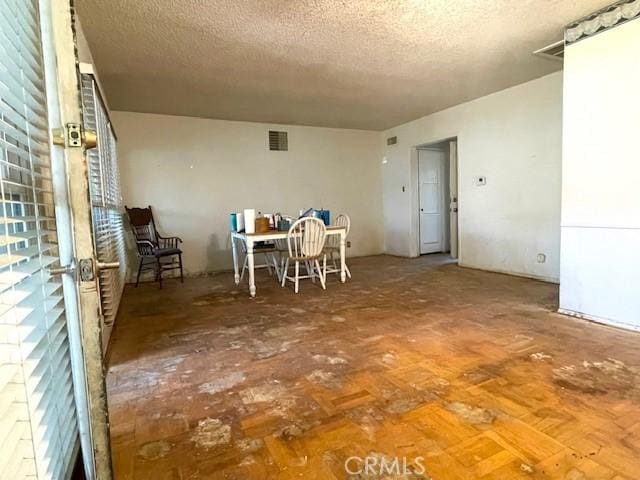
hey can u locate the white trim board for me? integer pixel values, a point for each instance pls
(603, 321)
(509, 272)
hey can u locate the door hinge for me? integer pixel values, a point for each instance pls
(74, 135)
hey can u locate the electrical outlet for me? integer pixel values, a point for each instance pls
(348, 243)
(480, 181)
(542, 258)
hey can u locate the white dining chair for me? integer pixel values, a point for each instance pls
(305, 242)
(332, 247)
(268, 251)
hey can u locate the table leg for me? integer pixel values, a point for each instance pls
(250, 264)
(234, 252)
(343, 262)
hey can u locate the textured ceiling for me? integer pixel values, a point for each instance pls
(369, 64)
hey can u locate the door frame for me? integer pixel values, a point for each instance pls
(82, 293)
(414, 240)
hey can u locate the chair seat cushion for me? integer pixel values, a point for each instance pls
(164, 252)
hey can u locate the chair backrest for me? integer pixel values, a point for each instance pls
(142, 224)
(306, 238)
(341, 220)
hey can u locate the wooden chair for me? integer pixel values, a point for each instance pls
(332, 248)
(305, 241)
(153, 247)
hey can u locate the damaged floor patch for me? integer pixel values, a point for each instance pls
(471, 414)
(608, 376)
(210, 433)
(326, 379)
(329, 360)
(224, 383)
(269, 348)
(540, 356)
(262, 393)
(250, 445)
(154, 450)
(389, 359)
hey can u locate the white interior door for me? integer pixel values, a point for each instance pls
(453, 197)
(72, 142)
(42, 390)
(52, 391)
(431, 178)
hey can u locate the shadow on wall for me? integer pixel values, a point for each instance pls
(219, 253)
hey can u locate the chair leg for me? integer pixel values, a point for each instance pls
(244, 267)
(324, 268)
(297, 278)
(310, 271)
(181, 273)
(275, 265)
(284, 271)
(317, 264)
(139, 272)
(160, 273)
(347, 270)
(266, 261)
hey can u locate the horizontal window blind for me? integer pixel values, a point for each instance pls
(106, 201)
(38, 426)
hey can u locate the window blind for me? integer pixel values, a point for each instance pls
(38, 425)
(106, 201)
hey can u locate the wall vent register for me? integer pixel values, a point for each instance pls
(278, 141)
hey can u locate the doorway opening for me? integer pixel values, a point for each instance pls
(438, 197)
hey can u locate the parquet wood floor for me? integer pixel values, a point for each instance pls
(472, 371)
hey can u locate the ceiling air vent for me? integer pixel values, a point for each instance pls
(278, 141)
(392, 140)
(555, 51)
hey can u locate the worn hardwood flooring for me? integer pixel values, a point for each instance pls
(471, 371)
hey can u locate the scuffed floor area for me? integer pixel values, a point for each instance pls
(473, 371)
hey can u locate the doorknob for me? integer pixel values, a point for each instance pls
(86, 269)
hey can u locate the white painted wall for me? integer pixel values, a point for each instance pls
(514, 138)
(600, 271)
(194, 172)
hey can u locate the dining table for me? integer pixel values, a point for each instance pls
(251, 239)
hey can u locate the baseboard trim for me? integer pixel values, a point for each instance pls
(602, 321)
(509, 272)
